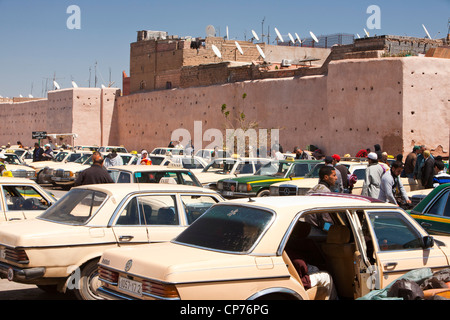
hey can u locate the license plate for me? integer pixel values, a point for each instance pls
(131, 286)
(228, 193)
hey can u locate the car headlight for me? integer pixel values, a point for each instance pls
(244, 187)
(68, 174)
(30, 174)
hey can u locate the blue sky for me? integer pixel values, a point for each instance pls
(36, 45)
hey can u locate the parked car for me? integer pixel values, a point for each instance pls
(233, 167)
(61, 247)
(207, 154)
(193, 163)
(164, 151)
(243, 249)
(433, 212)
(18, 168)
(259, 183)
(153, 174)
(22, 198)
(302, 186)
(25, 155)
(108, 149)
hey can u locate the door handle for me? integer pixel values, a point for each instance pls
(126, 238)
(390, 265)
(426, 225)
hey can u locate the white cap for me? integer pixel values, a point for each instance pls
(373, 156)
(47, 145)
(144, 151)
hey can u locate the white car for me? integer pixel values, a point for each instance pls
(207, 154)
(60, 249)
(108, 149)
(22, 199)
(223, 168)
(193, 163)
(164, 151)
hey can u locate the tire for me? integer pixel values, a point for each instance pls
(88, 282)
(263, 193)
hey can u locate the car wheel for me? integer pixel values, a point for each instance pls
(89, 282)
(263, 193)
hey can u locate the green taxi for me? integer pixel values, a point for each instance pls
(259, 183)
(433, 212)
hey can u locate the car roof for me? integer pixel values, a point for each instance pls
(15, 180)
(140, 168)
(319, 200)
(126, 188)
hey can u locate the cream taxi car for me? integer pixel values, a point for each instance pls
(222, 168)
(60, 248)
(22, 198)
(249, 249)
(17, 168)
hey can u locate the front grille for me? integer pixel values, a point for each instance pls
(20, 174)
(286, 190)
(59, 173)
(108, 276)
(16, 255)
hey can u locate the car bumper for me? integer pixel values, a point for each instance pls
(63, 181)
(14, 273)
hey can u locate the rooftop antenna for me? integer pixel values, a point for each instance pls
(291, 37)
(228, 36)
(279, 35)
(314, 37)
(238, 47)
(426, 31)
(216, 51)
(261, 52)
(210, 31)
(366, 32)
(255, 35)
(359, 37)
(262, 29)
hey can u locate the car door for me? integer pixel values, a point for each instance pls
(129, 225)
(161, 215)
(398, 245)
(23, 202)
(435, 217)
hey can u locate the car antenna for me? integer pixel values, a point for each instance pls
(250, 199)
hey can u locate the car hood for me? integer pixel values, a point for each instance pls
(206, 177)
(35, 232)
(171, 262)
(15, 167)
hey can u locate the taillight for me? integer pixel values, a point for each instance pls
(167, 291)
(16, 255)
(108, 276)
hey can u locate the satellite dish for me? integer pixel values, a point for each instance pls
(279, 35)
(292, 38)
(313, 36)
(228, 38)
(298, 38)
(426, 31)
(261, 52)
(30, 96)
(57, 87)
(216, 51)
(255, 35)
(103, 87)
(238, 47)
(74, 84)
(366, 32)
(20, 96)
(210, 31)
(359, 37)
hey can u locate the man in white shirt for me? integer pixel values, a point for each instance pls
(391, 187)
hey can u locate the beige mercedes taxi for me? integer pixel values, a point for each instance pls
(60, 248)
(254, 249)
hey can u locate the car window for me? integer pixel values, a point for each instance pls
(124, 177)
(314, 173)
(156, 160)
(20, 198)
(130, 215)
(300, 169)
(60, 156)
(191, 163)
(222, 166)
(114, 174)
(394, 232)
(228, 228)
(195, 205)
(12, 159)
(360, 174)
(159, 209)
(75, 207)
(73, 157)
(441, 206)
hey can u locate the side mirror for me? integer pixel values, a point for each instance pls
(428, 242)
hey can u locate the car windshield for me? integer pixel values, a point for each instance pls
(12, 159)
(274, 169)
(76, 207)
(220, 166)
(60, 156)
(314, 173)
(228, 228)
(173, 177)
(83, 159)
(73, 157)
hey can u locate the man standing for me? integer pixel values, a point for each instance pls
(418, 167)
(329, 161)
(410, 164)
(327, 180)
(441, 176)
(391, 188)
(113, 159)
(428, 170)
(372, 181)
(48, 153)
(343, 171)
(95, 174)
(37, 152)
